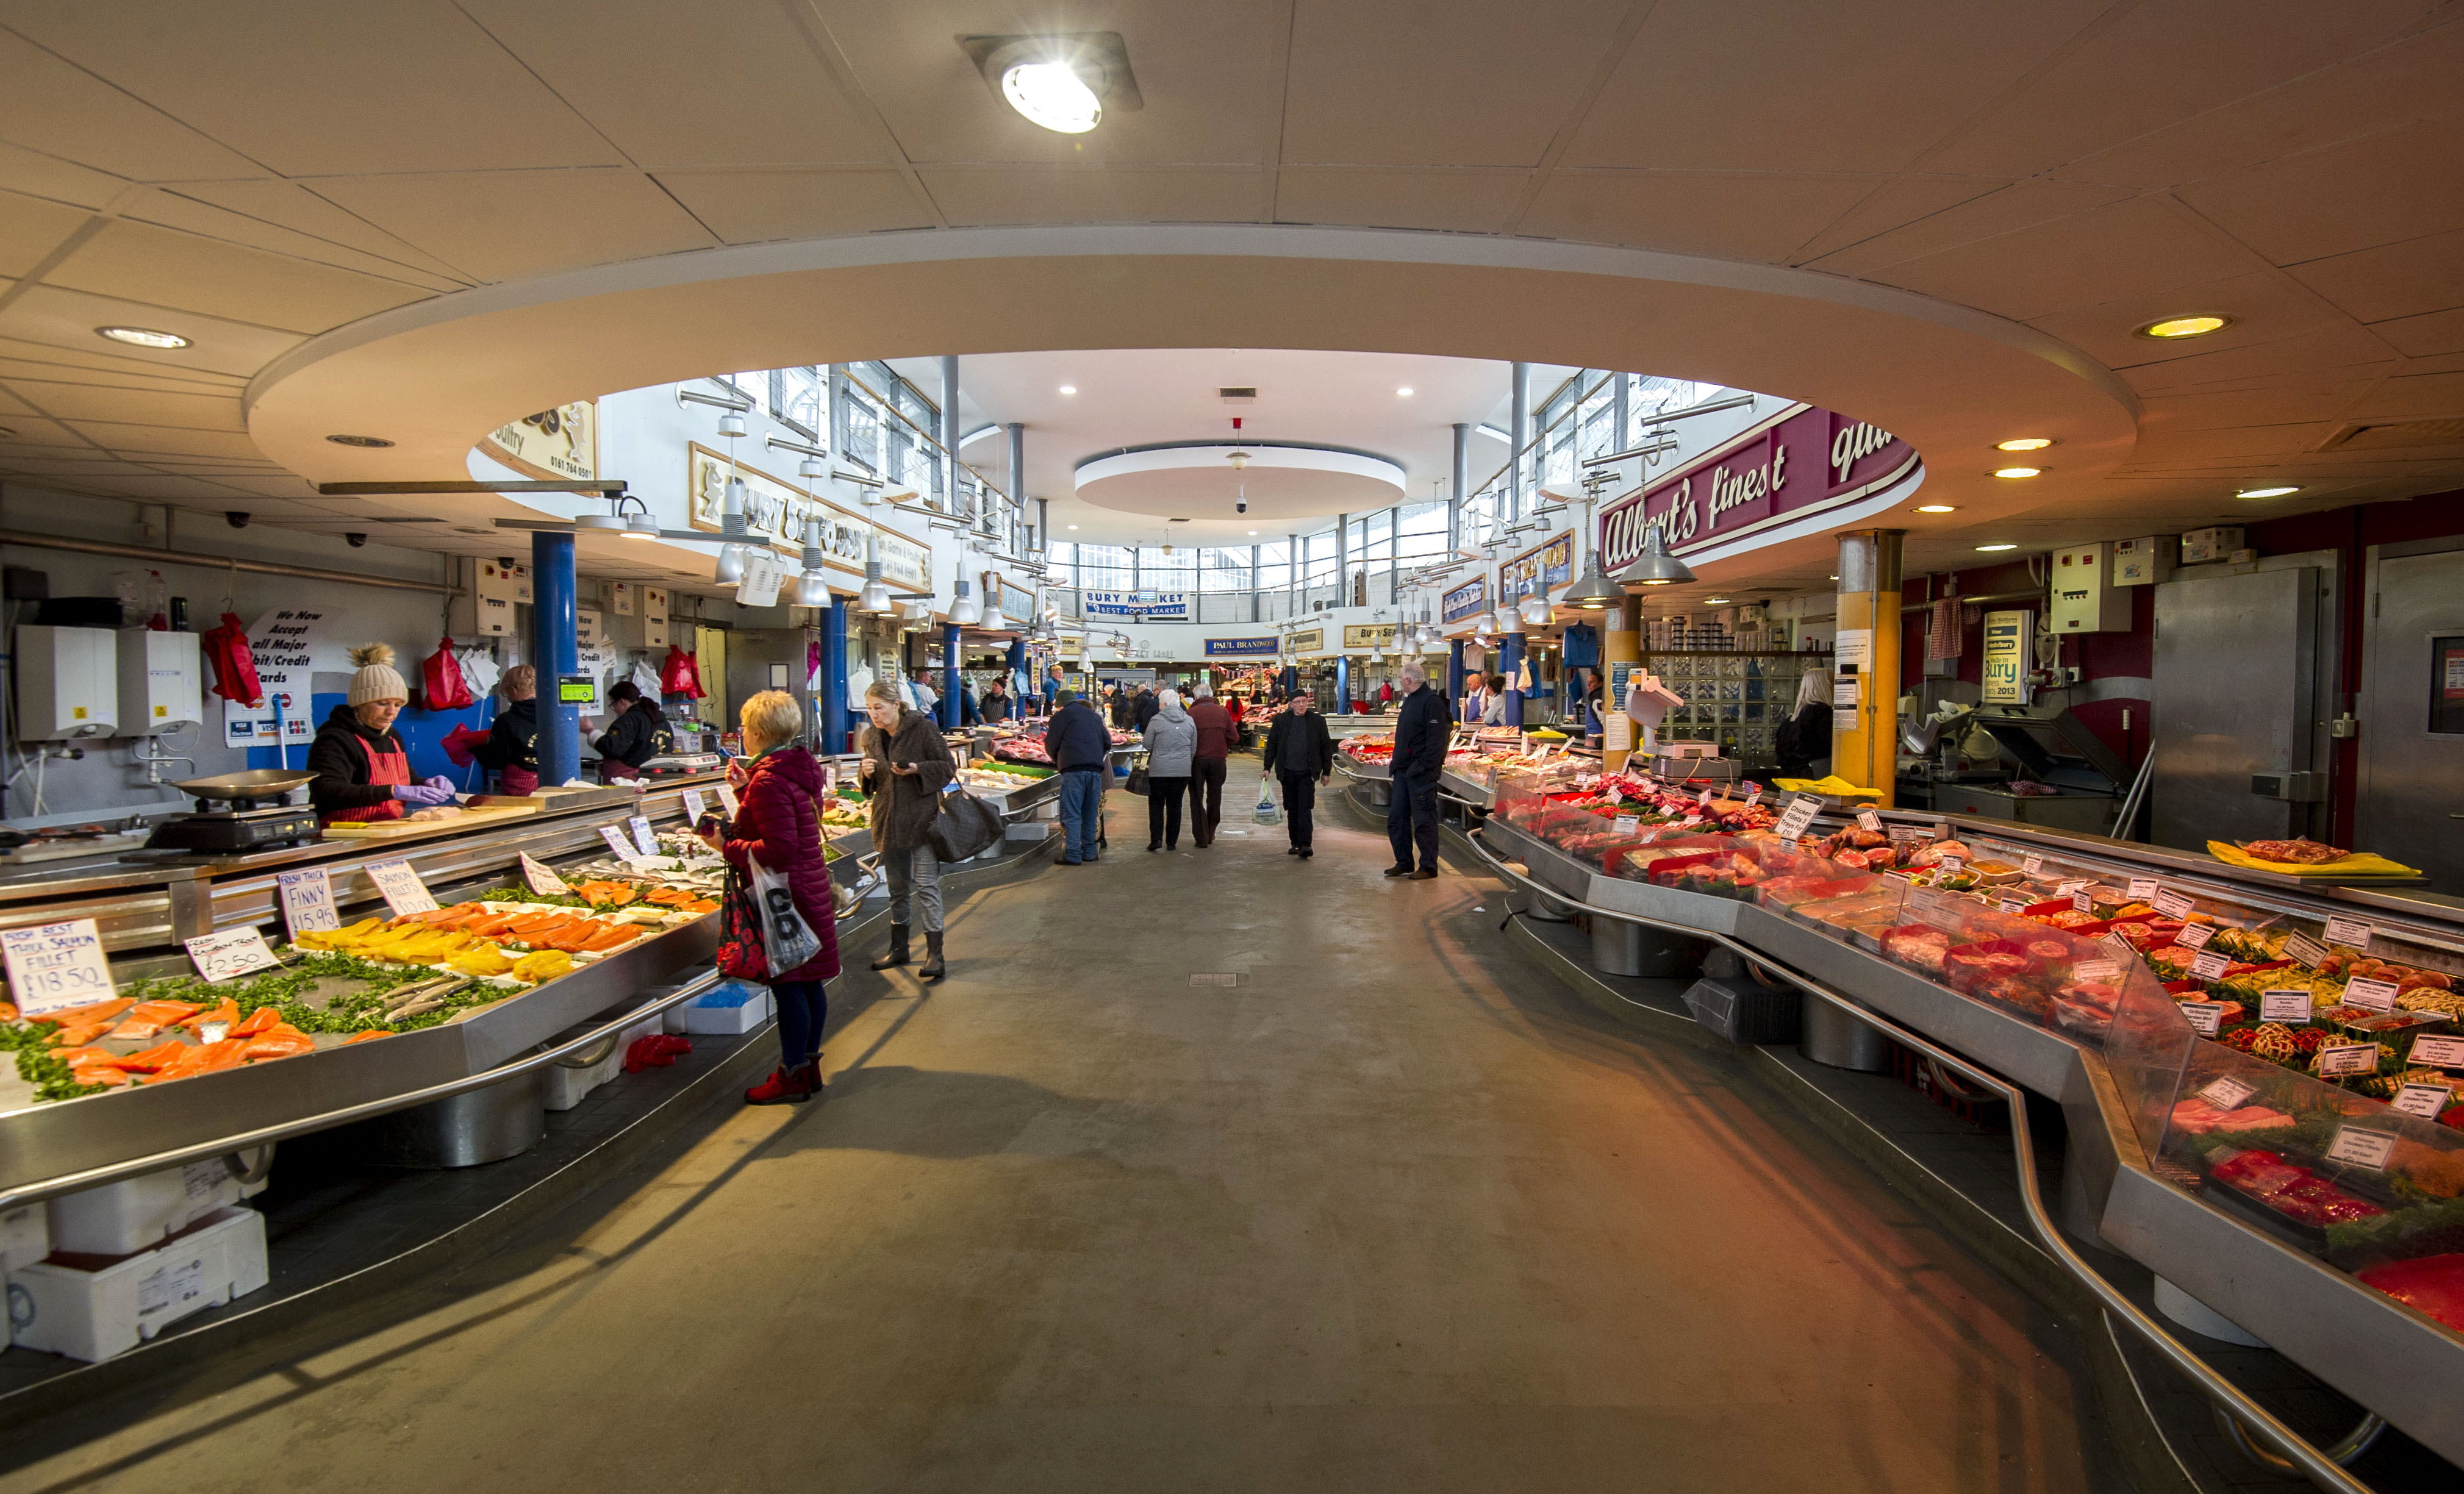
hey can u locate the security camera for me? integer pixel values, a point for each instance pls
(1241, 506)
(237, 518)
(355, 540)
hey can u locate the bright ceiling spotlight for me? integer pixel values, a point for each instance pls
(2024, 443)
(1992, 547)
(2265, 493)
(1068, 389)
(1936, 508)
(2018, 471)
(2172, 329)
(1406, 392)
(143, 336)
(1052, 95)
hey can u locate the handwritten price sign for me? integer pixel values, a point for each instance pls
(54, 966)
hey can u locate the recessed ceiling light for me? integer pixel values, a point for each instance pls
(1405, 391)
(1073, 526)
(143, 336)
(1935, 508)
(1052, 94)
(2016, 472)
(2173, 328)
(1713, 601)
(2265, 493)
(1997, 547)
(1068, 389)
(1253, 531)
(2024, 443)
(366, 441)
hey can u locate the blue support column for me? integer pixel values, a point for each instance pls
(560, 741)
(1455, 673)
(1342, 684)
(1509, 663)
(833, 710)
(950, 671)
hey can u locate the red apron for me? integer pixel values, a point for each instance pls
(616, 770)
(516, 780)
(384, 767)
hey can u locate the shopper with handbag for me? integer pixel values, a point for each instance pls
(1172, 743)
(776, 837)
(905, 761)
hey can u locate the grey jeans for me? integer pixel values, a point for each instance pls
(913, 875)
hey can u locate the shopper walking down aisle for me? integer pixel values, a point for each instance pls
(778, 824)
(1207, 765)
(1081, 751)
(1420, 733)
(512, 747)
(905, 764)
(362, 770)
(1172, 740)
(1300, 753)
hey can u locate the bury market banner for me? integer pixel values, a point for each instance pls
(1146, 606)
(1241, 648)
(1468, 600)
(1807, 466)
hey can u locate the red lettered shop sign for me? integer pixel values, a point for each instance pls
(1794, 468)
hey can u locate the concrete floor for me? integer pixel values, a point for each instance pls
(1391, 1213)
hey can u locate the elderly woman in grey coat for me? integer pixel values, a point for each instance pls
(1172, 743)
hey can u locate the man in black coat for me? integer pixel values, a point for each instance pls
(1081, 752)
(1143, 709)
(1421, 731)
(1300, 753)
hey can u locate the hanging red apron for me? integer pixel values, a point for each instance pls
(384, 767)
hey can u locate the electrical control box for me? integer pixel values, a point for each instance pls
(2202, 545)
(486, 609)
(2143, 563)
(161, 681)
(68, 683)
(2083, 601)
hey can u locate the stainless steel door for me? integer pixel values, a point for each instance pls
(2408, 798)
(2235, 680)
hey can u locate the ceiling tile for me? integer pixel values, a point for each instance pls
(305, 88)
(61, 110)
(1438, 83)
(183, 273)
(144, 407)
(498, 225)
(291, 205)
(1031, 194)
(1893, 204)
(1812, 86)
(2420, 337)
(2410, 396)
(2331, 343)
(58, 317)
(1738, 217)
(2156, 65)
(2135, 248)
(1203, 70)
(178, 211)
(31, 227)
(1455, 201)
(2236, 442)
(756, 206)
(26, 361)
(2315, 400)
(2393, 281)
(39, 175)
(141, 441)
(2346, 197)
(1990, 213)
(766, 97)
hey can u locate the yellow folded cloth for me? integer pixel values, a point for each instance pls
(2360, 864)
(1831, 786)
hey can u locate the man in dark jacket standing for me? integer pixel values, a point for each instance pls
(1421, 732)
(1081, 751)
(1143, 709)
(1300, 752)
(1207, 766)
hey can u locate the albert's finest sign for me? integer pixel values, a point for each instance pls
(1794, 468)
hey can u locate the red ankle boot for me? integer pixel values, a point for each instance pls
(784, 1086)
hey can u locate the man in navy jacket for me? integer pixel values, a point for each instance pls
(1421, 731)
(1081, 751)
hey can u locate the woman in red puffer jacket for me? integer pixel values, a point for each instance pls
(779, 824)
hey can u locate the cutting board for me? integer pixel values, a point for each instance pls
(396, 829)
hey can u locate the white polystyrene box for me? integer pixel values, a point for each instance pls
(161, 681)
(94, 1314)
(25, 1235)
(136, 1213)
(68, 683)
(241, 1234)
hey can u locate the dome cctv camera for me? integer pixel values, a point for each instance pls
(1241, 506)
(355, 540)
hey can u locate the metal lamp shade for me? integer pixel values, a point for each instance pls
(1655, 566)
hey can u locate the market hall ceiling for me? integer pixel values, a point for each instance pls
(1946, 217)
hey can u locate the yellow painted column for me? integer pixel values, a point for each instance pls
(1865, 745)
(1620, 643)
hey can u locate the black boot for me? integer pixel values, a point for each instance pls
(897, 955)
(931, 969)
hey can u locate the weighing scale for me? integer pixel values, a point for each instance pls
(257, 813)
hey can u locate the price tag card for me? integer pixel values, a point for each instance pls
(2204, 1017)
(307, 900)
(2438, 1052)
(541, 880)
(1870, 821)
(1905, 835)
(727, 799)
(1691, 820)
(2375, 996)
(2142, 889)
(1754, 795)
(1954, 863)
(645, 839)
(54, 966)
(2032, 866)
(696, 807)
(2351, 933)
(2083, 902)
(234, 952)
(2286, 1006)
(2094, 970)
(1627, 824)
(622, 848)
(2195, 936)
(2423, 1100)
(2226, 1094)
(1616, 795)
(2209, 965)
(2345, 1059)
(2069, 885)
(1799, 814)
(1704, 799)
(403, 892)
(2368, 1149)
(2014, 905)
(2305, 951)
(2171, 904)
(1934, 916)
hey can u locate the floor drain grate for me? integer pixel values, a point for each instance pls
(1216, 977)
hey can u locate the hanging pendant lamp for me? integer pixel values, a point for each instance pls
(1655, 566)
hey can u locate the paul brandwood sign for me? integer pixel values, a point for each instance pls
(1550, 564)
(1797, 466)
(1468, 600)
(776, 511)
(1241, 648)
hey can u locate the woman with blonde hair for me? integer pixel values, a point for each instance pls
(512, 747)
(905, 762)
(778, 824)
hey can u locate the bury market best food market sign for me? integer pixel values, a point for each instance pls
(1806, 465)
